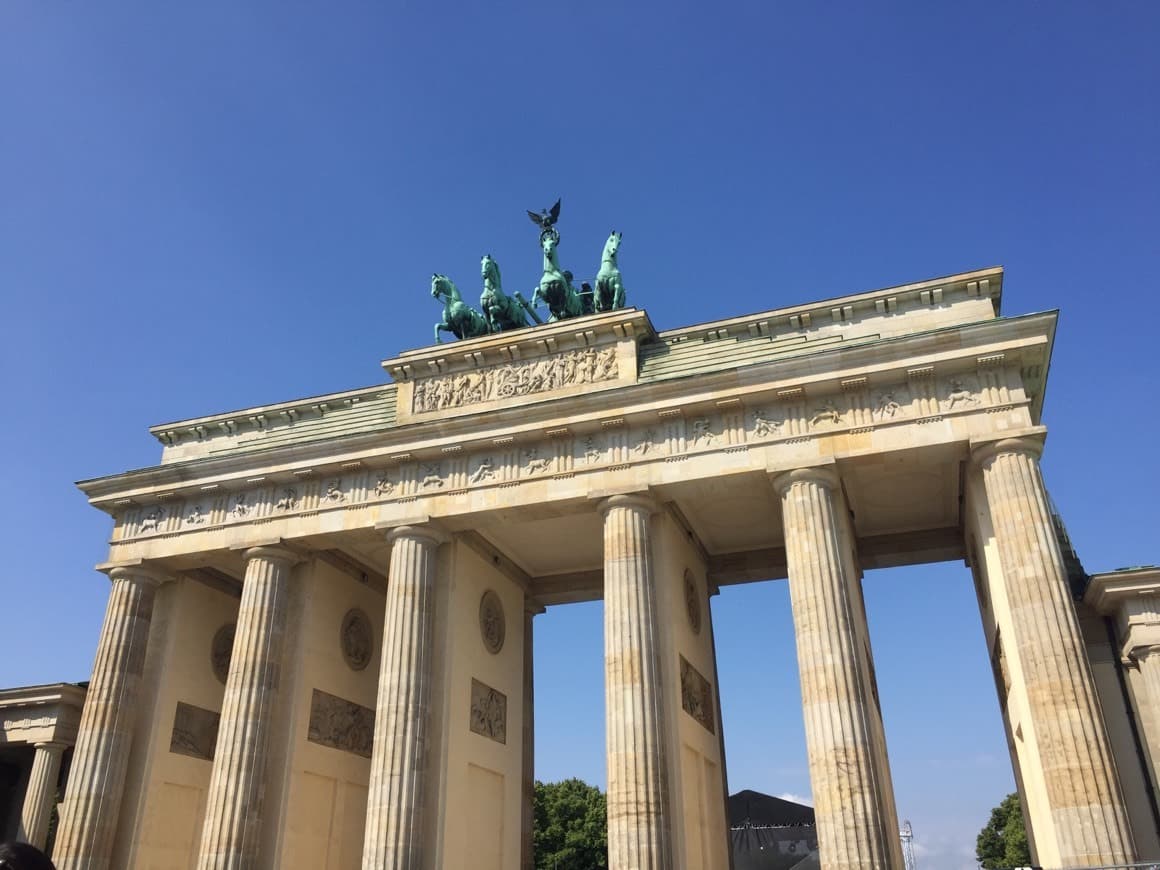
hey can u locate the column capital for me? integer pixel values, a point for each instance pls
(825, 476)
(143, 574)
(640, 501)
(532, 607)
(426, 534)
(273, 553)
(1028, 442)
(52, 746)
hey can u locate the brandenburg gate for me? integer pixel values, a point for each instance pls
(317, 651)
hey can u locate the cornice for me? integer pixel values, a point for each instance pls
(1025, 340)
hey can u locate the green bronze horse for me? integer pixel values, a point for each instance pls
(500, 310)
(609, 288)
(555, 289)
(459, 318)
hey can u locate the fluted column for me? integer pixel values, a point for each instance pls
(638, 814)
(1147, 660)
(849, 775)
(233, 814)
(41, 794)
(92, 801)
(1074, 753)
(394, 828)
(527, 841)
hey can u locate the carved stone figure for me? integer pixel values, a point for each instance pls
(195, 731)
(592, 451)
(959, 394)
(763, 426)
(241, 507)
(357, 639)
(697, 696)
(500, 310)
(485, 471)
(888, 406)
(196, 516)
(609, 288)
(703, 431)
(334, 491)
(341, 724)
(829, 413)
(534, 463)
(432, 476)
(151, 522)
(492, 626)
(287, 499)
(384, 485)
(575, 367)
(459, 318)
(488, 712)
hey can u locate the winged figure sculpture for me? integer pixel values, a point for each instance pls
(547, 217)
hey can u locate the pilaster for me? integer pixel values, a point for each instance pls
(527, 849)
(638, 814)
(92, 803)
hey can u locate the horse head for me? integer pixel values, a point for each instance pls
(612, 245)
(549, 239)
(442, 286)
(489, 271)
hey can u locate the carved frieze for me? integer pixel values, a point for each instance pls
(341, 724)
(573, 368)
(787, 415)
(697, 696)
(356, 639)
(492, 625)
(488, 712)
(195, 731)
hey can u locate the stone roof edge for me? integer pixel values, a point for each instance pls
(992, 273)
(102, 489)
(48, 693)
(158, 430)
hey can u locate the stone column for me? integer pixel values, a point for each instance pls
(1076, 759)
(638, 814)
(233, 816)
(394, 828)
(41, 794)
(849, 774)
(92, 802)
(527, 850)
(1131, 597)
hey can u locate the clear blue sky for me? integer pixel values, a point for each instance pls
(213, 205)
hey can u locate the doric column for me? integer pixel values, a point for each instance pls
(92, 801)
(1131, 597)
(527, 848)
(394, 828)
(41, 794)
(849, 773)
(233, 814)
(638, 816)
(1078, 771)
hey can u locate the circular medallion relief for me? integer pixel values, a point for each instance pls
(692, 603)
(357, 639)
(221, 649)
(491, 621)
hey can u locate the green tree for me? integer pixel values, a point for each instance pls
(1003, 840)
(571, 831)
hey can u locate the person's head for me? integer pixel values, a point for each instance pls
(21, 856)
